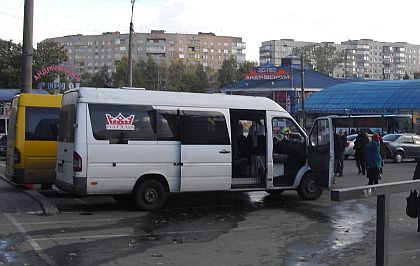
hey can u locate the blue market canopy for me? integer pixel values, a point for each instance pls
(6, 95)
(384, 97)
(313, 80)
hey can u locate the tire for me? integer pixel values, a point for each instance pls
(275, 192)
(399, 157)
(307, 189)
(149, 195)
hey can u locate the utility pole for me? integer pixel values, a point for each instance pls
(302, 87)
(130, 56)
(27, 55)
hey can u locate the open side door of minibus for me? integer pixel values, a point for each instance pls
(321, 151)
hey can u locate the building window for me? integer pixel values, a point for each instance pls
(181, 56)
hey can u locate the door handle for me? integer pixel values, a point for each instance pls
(65, 150)
(224, 151)
(180, 164)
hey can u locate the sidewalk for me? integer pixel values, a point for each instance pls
(16, 199)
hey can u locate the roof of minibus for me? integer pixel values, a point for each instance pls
(167, 98)
(41, 100)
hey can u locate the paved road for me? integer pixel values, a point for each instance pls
(213, 229)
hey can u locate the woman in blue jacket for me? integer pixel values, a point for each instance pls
(373, 159)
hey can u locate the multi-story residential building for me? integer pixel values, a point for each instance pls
(89, 53)
(365, 58)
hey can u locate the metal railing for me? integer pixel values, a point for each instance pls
(382, 192)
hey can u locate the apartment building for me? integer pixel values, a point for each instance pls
(365, 58)
(89, 53)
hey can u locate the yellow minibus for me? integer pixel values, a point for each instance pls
(32, 138)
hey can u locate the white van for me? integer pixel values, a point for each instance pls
(151, 143)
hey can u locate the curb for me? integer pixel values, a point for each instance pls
(48, 207)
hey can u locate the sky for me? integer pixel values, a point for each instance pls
(253, 21)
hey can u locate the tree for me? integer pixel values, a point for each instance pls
(177, 80)
(322, 58)
(227, 73)
(152, 74)
(119, 78)
(245, 68)
(102, 79)
(49, 53)
(10, 60)
(201, 83)
(86, 80)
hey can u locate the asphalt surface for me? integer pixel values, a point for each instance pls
(206, 229)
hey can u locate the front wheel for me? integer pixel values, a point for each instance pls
(399, 157)
(307, 189)
(149, 195)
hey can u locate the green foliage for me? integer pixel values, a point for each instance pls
(228, 73)
(245, 68)
(101, 79)
(10, 58)
(46, 54)
(322, 58)
(417, 75)
(177, 78)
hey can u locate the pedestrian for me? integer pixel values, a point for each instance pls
(384, 152)
(417, 171)
(341, 141)
(359, 147)
(373, 159)
(415, 177)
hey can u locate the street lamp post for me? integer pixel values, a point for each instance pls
(27, 47)
(130, 57)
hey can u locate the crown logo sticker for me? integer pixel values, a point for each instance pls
(120, 122)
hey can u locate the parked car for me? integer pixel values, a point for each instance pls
(3, 145)
(403, 145)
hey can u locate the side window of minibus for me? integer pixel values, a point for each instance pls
(204, 128)
(121, 123)
(168, 124)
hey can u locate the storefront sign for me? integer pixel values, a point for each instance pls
(267, 73)
(55, 68)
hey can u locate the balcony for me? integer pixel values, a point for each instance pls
(155, 49)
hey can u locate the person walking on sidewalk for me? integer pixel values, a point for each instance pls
(359, 154)
(373, 159)
(339, 147)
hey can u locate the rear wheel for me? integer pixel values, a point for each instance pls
(149, 195)
(307, 189)
(399, 157)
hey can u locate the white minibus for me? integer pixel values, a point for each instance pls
(148, 144)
